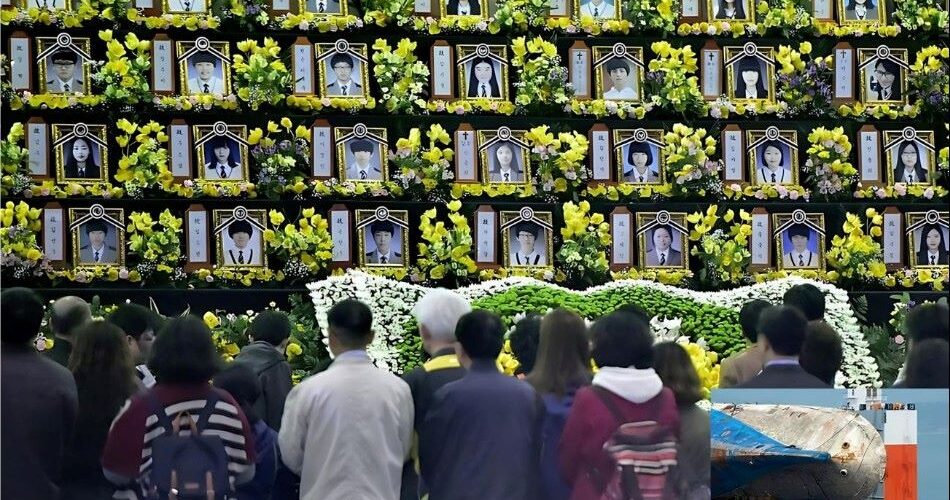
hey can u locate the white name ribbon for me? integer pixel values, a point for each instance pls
(163, 81)
(690, 8)
(580, 61)
(180, 151)
(322, 149)
(20, 63)
(732, 155)
(892, 236)
(760, 239)
(712, 81)
(600, 161)
(280, 4)
(340, 235)
(38, 149)
(486, 237)
(53, 245)
(844, 81)
(465, 155)
(621, 252)
(303, 69)
(442, 68)
(198, 237)
(870, 169)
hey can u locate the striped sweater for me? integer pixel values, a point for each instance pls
(127, 456)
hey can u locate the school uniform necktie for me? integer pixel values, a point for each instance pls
(484, 91)
(322, 7)
(801, 260)
(240, 256)
(65, 87)
(773, 176)
(595, 11)
(662, 259)
(95, 258)
(384, 260)
(910, 178)
(343, 90)
(207, 89)
(933, 260)
(641, 178)
(221, 172)
(363, 175)
(507, 177)
(82, 172)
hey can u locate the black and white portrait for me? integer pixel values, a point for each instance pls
(222, 159)
(383, 243)
(326, 7)
(505, 162)
(343, 76)
(911, 163)
(362, 160)
(528, 245)
(930, 244)
(663, 247)
(599, 10)
(731, 10)
(185, 6)
(484, 78)
(205, 74)
(64, 73)
(883, 81)
(463, 8)
(750, 78)
(800, 248)
(860, 11)
(82, 159)
(773, 163)
(242, 244)
(98, 243)
(641, 163)
(621, 80)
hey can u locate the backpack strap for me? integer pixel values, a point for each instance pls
(203, 417)
(158, 409)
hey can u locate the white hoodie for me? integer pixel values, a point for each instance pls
(634, 385)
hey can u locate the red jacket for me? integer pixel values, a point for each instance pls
(591, 424)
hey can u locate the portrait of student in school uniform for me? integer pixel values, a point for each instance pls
(622, 76)
(911, 165)
(862, 10)
(598, 9)
(222, 159)
(732, 9)
(662, 250)
(384, 238)
(528, 244)
(64, 73)
(884, 82)
(800, 248)
(243, 245)
(205, 74)
(186, 6)
(82, 159)
(463, 8)
(504, 163)
(97, 243)
(641, 163)
(346, 76)
(773, 163)
(323, 6)
(750, 76)
(932, 245)
(362, 161)
(484, 78)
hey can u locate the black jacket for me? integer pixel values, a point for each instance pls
(274, 372)
(784, 377)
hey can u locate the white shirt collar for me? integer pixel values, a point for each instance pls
(100, 249)
(751, 93)
(381, 256)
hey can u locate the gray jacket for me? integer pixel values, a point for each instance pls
(274, 372)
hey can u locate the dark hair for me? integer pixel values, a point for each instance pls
(750, 63)
(892, 68)
(785, 329)
(382, 225)
(635, 310)
(822, 352)
(563, 354)
(351, 322)
(616, 63)
(67, 314)
(64, 56)
(665, 227)
(134, 320)
(798, 230)
(923, 239)
(622, 340)
(71, 161)
(22, 312)
(481, 334)
(218, 142)
(639, 147)
(361, 145)
(900, 150)
(272, 327)
(524, 341)
(777, 145)
(528, 227)
(240, 226)
(927, 365)
(853, 3)
(749, 318)
(341, 58)
(514, 158)
(96, 225)
(204, 56)
(740, 10)
(183, 353)
(808, 299)
(675, 368)
(927, 321)
(243, 385)
(475, 7)
(493, 86)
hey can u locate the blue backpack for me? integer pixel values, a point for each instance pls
(192, 467)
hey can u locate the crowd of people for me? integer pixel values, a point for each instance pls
(140, 406)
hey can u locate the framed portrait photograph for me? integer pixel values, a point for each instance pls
(343, 69)
(559, 8)
(598, 10)
(799, 240)
(98, 236)
(185, 6)
(362, 153)
(324, 7)
(464, 8)
(663, 240)
(750, 73)
(851, 12)
(928, 237)
(639, 155)
(527, 238)
(239, 237)
(910, 156)
(773, 156)
(731, 10)
(883, 75)
(482, 71)
(204, 67)
(618, 73)
(222, 152)
(63, 64)
(503, 155)
(82, 153)
(383, 237)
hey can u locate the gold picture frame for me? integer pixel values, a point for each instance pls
(359, 64)
(66, 145)
(760, 146)
(713, 7)
(646, 141)
(813, 226)
(483, 9)
(513, 222)
(348, 139)
(890, 60)
(235, 138)
(46, 49)
(649, 256)
(184, 7)
(616, 57)
(919, 223)
(490, 143)
(468, 57)
(111, 222)
(895, 141)
(305, 6)
(582, 9)
(750, 55)
(227, 249)
(849, 17)
(371, 221)
(220, 81)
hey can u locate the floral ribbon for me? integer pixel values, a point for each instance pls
(221, 129)
(662, 218)
(202, 44)
(930, 217)
(773, 134)
(750, 49)
(910, 134)
(884, 52)
(526, 214)
(381, 214)
(97, 212)
(504, 134)
(80, 131)
(361, 131)
(798, 217)
(340, 47)
(619, 50)
(640, 135)
(483, 50)
(64, 41)
(239, 214)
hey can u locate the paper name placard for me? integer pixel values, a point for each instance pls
(844, 73)
(733, 154)
(579, 69)
(869, 155)
(892, 238)
(198, 252)
(163, 79)
(322, 150)
(303, 68)
(20, 62)
(600, 154)
(180, 149)
(340, 235)
(53, 244)
(442, 70)
(466, 167)
(760, 240)
(621, 227)
(485, 221)
(38, 148)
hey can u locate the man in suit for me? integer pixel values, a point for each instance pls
(241, 254)
(323, 6)
(347, 430)
(222, 167)
(800, 256)
(527, 253)
(662, 254)
(383, 232)
(363, 168)
(462, 411)
(344, 85)
(598, 9)
(741, 367)
(62, 79)
(97, 251)
(782, 331)
(205, 81)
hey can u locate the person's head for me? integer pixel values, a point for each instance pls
(437, 314)
(240, 232)
(782, 331)
(205, 62)
(139, 325)
(772, 156)
(479, 337)
(350, 326)
(731, 4)
(243, 385)
(524, 341)
(68, 313)
(635, 310)
(22, 312)
(484, 70)
(808, 299)
(505, 156)
(97, 230)
(928, 365)
(885, 73)
(749, 76)
(221, 148)
(639, 155)
(798, 235)
(563, 359)
(81, 150)
(749, 318)
(183, 353)
(622, 340)
(64, 64)
(527, 234)
(662, 237)
(362, 150)
(675, 368)
(927, 320)
(932, 239)
(272, 327)
(383, 232)
(101, 354)
(342, 65)
(908, 156)
(854, 3)
(619, 72)
(822, 352)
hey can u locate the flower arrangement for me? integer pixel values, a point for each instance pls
(722, 247)
(600, 108)
(689, 169)
(671, 81)
(49, 188)
(305, 247)
(644, 15)
(583, 254)
(788, 15)
(466, 106)
(928, 81)
(559, 162)
(718, 28)
(18, 243)
(202, 102)
(541, 80)
(445, 255)
(861, 111)
(900, 190)
(14, 162)
(520, 14)
(461, 190)
(227, 277)
(249, 13)
(145, 166)
(228, 331)
(74, 18)
(309, 21)
(629, 191)
(424, 172)
(124, 74)
(827, 166)
(921, 15)
(402, 77)
(803, 83)
(858, 255)
(322, 188)
(261, 78)
(723, 107)
(282, 156)
(156, 245)
(190, 22)
(766, 191)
